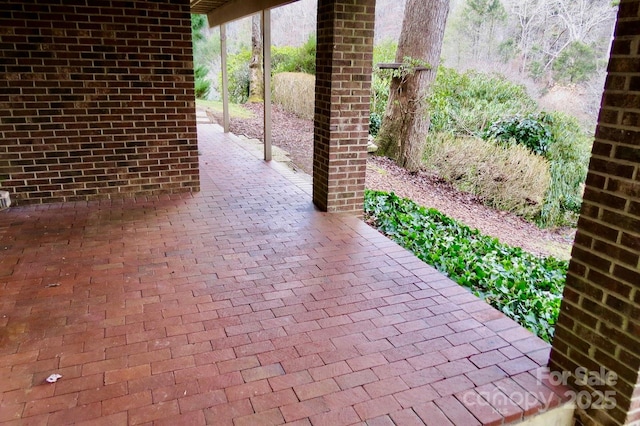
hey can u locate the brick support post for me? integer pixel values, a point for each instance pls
(597, 337)
(96, 99)
(343, 89)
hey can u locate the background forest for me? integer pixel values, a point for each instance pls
(556, 48)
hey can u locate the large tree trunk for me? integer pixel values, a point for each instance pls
(256, 82)
(402, 136)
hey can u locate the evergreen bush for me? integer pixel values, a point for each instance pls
(486, 106)
(238, 75)
(202, 85)
(532, 131)
(467, 104)
(568, 156)
(295, 59)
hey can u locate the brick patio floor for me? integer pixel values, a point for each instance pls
(244, 305)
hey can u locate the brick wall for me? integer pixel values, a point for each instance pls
(599, 324)
(343, 87)
(96, 99)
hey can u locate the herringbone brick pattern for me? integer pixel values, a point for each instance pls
(243, 305)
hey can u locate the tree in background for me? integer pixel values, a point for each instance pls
(256, 72)
(524, 39)
(479, 19)
(202, 85)
(405, 124)
(575, 64)
(546, 28)
(530, 17)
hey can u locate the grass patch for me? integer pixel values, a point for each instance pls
(235, 110)
(525, 287)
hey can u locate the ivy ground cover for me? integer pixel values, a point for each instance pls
(527, 288)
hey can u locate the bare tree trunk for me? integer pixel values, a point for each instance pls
(256, 85)
(405, 125)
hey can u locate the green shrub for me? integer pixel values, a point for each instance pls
(525, 287)
(198, 23)
(507, 178)
(202, 85)
(295, 59)
(375, 121)
(487, 106)
(466, 104)
(568, 155)
(238, 75)
(531, 131)
(281, 55)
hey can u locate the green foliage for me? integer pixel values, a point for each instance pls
(479, 12)
(489, 107)
(384, 52)
(295, 59)
(407, 67)
(203, 86)
(381, 81)
(198, 22)
(575, 64)
(474, 30)
(283, 59)
(238, 75)
(532, 131)
(507, 50)
(207, 51)
(525, 287)
(375, 122)
(536, 66)
(568, 155)
(466, 104)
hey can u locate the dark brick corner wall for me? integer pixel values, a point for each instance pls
(597, 337)
(96, 99)
(344, 57)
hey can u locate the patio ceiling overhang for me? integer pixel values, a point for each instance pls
(222, 11)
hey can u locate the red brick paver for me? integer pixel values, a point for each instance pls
(242, 304)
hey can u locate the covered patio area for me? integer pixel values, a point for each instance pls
(243, 304)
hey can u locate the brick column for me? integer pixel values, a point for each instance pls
(343, 89)
(597, 339)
